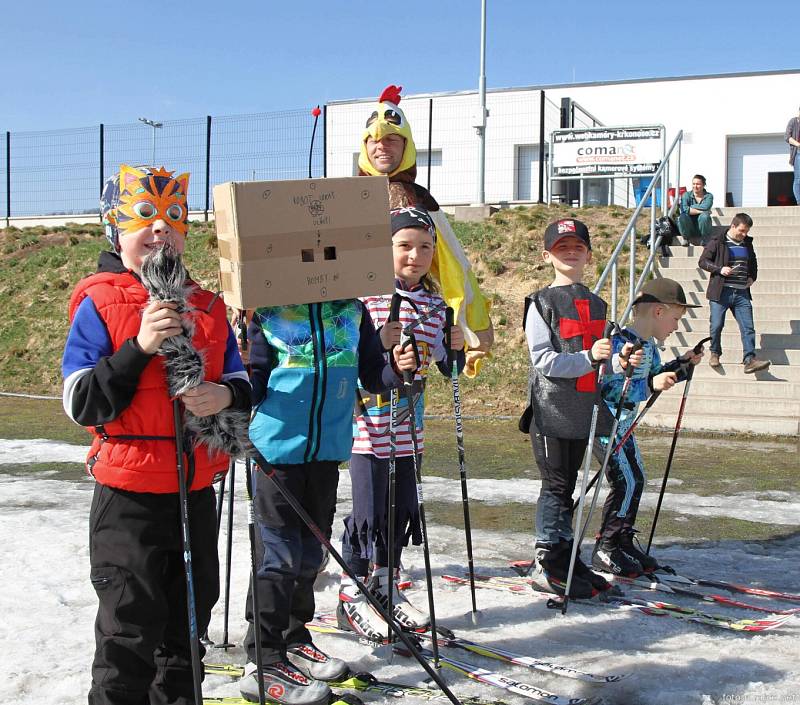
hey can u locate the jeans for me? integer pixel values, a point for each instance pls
(738, 301)
(289, 555)
(796, 182)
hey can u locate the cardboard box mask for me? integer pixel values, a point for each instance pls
(294, 242)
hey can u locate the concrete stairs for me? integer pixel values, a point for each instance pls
(726, 399)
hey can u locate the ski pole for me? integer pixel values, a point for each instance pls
(183, 496)
(623, 395)
(409, 643)
(587, 461)
(407, 339)
(220, 501)
(650, 401)
(689, 375)
(391, 510)
(251, 530)
(228, 556)
(462, 470)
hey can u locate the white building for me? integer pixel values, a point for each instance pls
(733, 128)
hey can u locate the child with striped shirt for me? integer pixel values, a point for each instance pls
(365, 538)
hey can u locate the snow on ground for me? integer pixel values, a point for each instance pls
(48, 605)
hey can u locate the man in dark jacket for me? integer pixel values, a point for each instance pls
(731, 259)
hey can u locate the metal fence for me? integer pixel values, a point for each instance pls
(61, 172)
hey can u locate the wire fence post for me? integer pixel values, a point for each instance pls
(541, 146)
(325, 141)
(102, 160)
(430, 140)
(8, 179)
(208, 165)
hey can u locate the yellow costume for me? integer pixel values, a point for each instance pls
(450, 268)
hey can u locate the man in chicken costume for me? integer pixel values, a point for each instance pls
(387, 149)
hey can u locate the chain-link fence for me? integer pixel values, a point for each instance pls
(60, 172)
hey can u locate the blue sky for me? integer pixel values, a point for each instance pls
(81, 63)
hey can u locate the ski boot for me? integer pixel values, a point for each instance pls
(608, 557)
(628, 542)
(283, 683)
(409, 617)
(549, 574)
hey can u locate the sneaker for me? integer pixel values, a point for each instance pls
(283, 683)
(317, 664)
(713, 360)
(610, 558)
(628, 542)
(754, 365)
(407, 616)
(355, 614)
(549, 573)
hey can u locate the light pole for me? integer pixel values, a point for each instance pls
(155, 126)
(481, 121)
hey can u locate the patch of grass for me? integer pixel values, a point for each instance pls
(38, 418)
(519, 517)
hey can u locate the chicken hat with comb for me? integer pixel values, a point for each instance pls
(388, 119)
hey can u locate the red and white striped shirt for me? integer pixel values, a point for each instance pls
(373, 412)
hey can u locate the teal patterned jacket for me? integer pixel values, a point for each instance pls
(305, 362)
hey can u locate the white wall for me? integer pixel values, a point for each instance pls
(514, 120)
(709, 110)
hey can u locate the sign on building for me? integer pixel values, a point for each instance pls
(606, 151)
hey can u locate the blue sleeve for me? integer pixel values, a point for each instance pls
(233, 366)
(706, 203)
(613, 381)
(262, 359)
(87, 341)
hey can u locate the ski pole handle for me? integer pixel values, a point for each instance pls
(407, 340)
(449, 318)
(697, 349)
(241, 322)
(394, 308)
(637, 346)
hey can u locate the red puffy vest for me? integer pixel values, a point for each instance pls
(150, 465)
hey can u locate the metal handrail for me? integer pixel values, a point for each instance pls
(629, 234)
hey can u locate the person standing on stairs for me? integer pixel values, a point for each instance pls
(731, 260)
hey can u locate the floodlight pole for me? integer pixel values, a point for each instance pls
(155, 125)
(481, 121)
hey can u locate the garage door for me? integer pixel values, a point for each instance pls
(750, 160)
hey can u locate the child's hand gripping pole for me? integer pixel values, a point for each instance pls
(697, 349)
(462, 470)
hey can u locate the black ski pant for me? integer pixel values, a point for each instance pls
(288, 555)
(558, 460)
(142, 654)
(626, 478)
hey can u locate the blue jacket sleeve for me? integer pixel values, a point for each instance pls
(375, 373)
(262, 360)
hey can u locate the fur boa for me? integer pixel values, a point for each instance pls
(165, 278)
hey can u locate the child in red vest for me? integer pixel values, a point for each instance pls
(115, 383)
